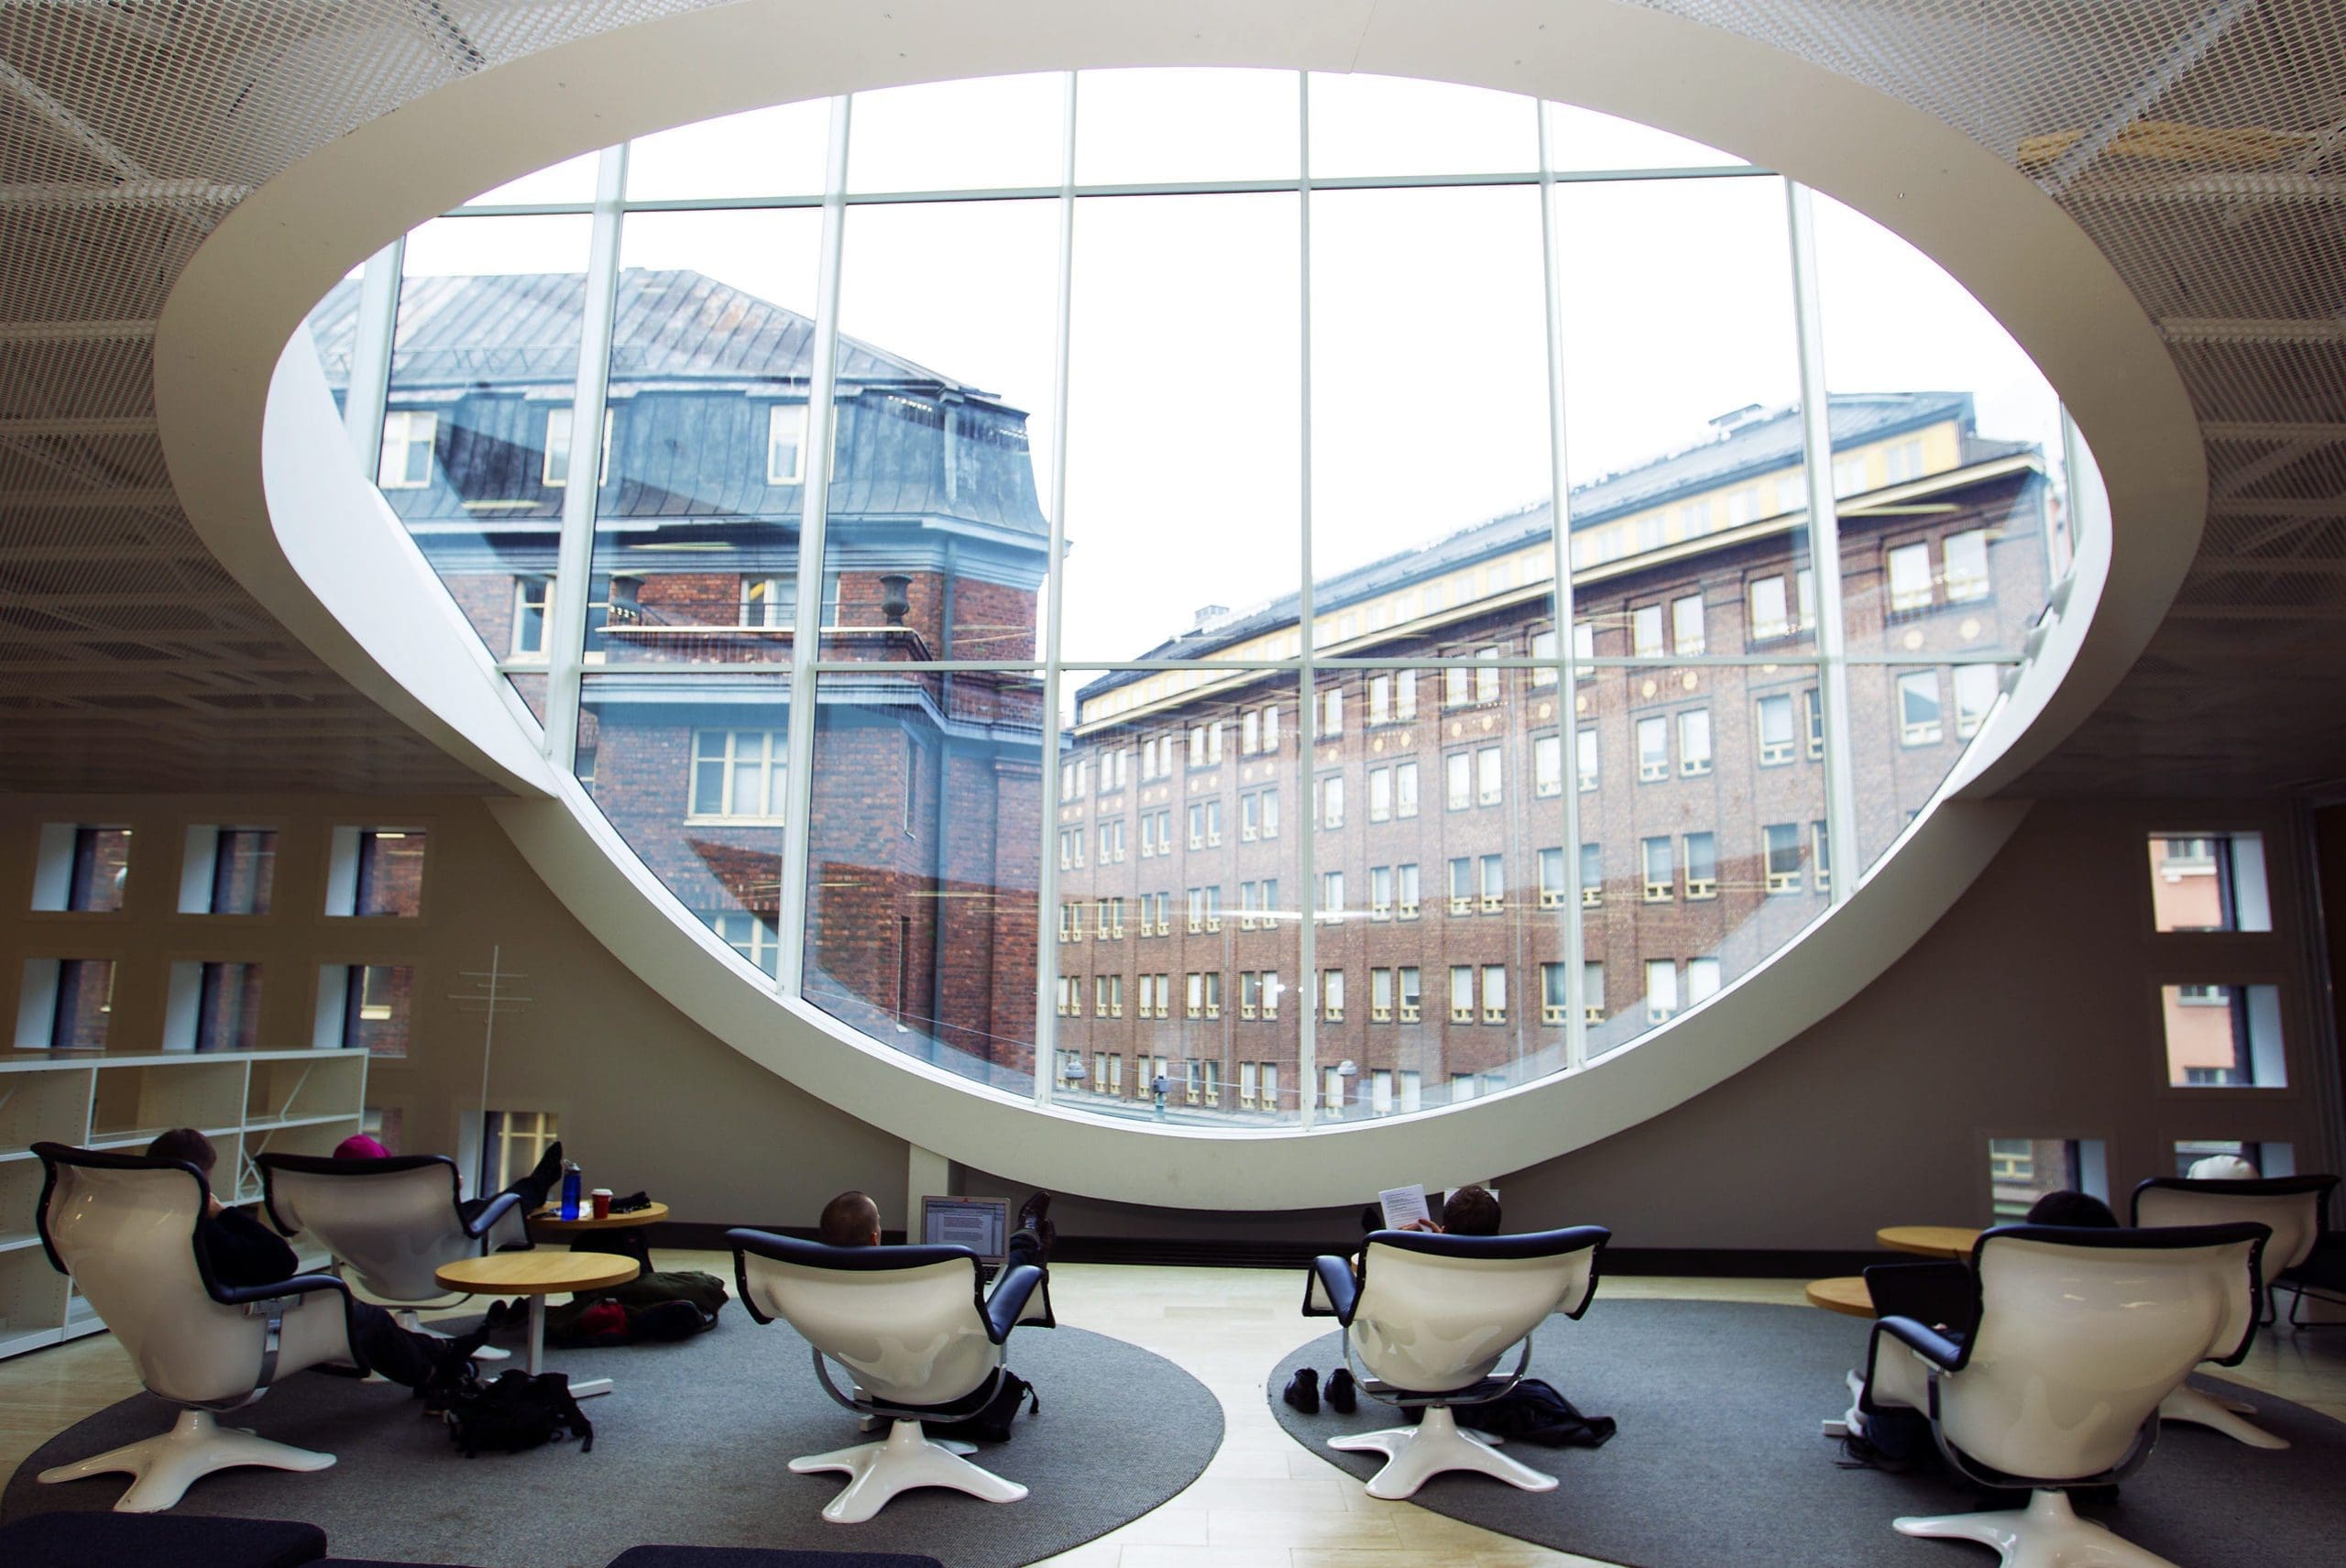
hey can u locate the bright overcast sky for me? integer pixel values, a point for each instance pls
(1429, 368)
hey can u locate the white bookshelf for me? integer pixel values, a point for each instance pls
(247, 1102)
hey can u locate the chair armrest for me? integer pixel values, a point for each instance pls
(498, 1207)
(1009, 1299)
(1331, 1291)
(300, 1285)
(1949, 1354)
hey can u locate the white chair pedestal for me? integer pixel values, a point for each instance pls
(1414, 1455)
(2046, 1534)
(906, 1459)
(168, 1464)
(2189, 1405)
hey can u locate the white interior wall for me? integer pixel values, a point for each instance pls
(2030, 1010)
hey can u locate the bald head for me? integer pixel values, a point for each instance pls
(851, 1218)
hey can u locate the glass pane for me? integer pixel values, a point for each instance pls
(1186, 563)
(921, 919)
(1707, 819)
(1177, 850)
(228, 1016)
(695, 775)
(1682, 420)
(244, 871)
(765, 152)
(375, 1008)
(2211, 1158)
(1583, 139)
(1423, 512)
(995, 132)
(2023, 1170)
(572, 179)
(2209, 882)
(2223, 1036)
(100, 875)
(1390, 124)
(84, 1003)
(1908, 723)
(1138, 126)
(487, 343)
(1946, 452)
(937, 545)
(697, 507)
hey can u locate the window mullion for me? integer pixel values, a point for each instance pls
(1567, 677)
(1047, 961)
(1824, 546)
(807, 634)
(1307, 737)
(566, 637)
(369, 389)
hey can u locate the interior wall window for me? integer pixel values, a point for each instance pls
(512, 1142)
(390, 873)
(2223, 1035)
(2209, 882)
(244, 871)
(406, 462)
(374, 1008)
(740, 775)
(80, 869)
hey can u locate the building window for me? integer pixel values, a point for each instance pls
(1645, 632)
(1486, 676)
(1205, 745)
(2211, 882)
(1775, 731)
(1380, 893)
(388, 864)
(82, 870)
(556, 472)
(786, 442)
(244, 872)
(1904, 460)
(1332, 896)
(1552, 1000)
(1821, 856)
(1544, 646)
(1975, 689)
(1332, 994)
(1332, 713)
(1380, 995)
(1592, 989)
(1493, 884)
(1702, 978)
(530, 597)
(1687, 624)
(1660, 876)
(1909, 577)
(1489, 775)
(1783, 857)
(408, 437)
(1380, 699)
(1404, 985)
(1918, 707)
(1584, 650)
(1462, 885)
(742, 775)
(1458, 778)
(1654, 750)
(1258, 729)
(1331, 801)
(1661, 990)
(1462, 993)
(2224, 1036)
(1551, 879)
(1694, 741)
(1812, 707)
(1592, 876)
(1071, 921)
(1404, 789)
(1769, 613)
(1405, 890)
(1380, 794)
(1108, 996)
(755, 937)
(1586, 742)
(1702, 865)
(1966, 565)
(512, 1142)
(1494, 994)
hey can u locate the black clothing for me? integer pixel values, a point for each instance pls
(533, 1189)
(239, 1250)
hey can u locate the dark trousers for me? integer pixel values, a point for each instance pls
(533, 1189)
(389, 1349)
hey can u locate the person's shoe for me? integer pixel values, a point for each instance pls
(1341, 1396)
(1034, 1214)
(1303, 1391)
(549, 1167)
(451, 1370)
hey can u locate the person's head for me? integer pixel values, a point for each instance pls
(851, 1218)
(1470, 1212)
(359, 1146)
(188, 1146)
(2067, 1208)
(2221, 1167)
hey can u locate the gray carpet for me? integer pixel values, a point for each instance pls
(690, 1448)
(1719, 1459)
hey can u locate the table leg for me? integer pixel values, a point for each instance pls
(580, 1388)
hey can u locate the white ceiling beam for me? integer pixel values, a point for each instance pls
(139, 424)
(76, 129)
(2263, 186)
(70, 195)
(2317, 431)
(2310, 510)
(89, 501)
(2252, 329)
(77, 332)
(2181, 56)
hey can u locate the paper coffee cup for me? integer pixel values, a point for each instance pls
(602, 1197)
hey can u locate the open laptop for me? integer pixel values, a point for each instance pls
(981, 1224)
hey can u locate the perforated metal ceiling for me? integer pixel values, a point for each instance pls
(2201, 143)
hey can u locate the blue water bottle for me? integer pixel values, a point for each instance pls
(569, 1190)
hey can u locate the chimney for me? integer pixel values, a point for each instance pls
(1209, 614)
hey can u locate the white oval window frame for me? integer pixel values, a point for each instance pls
(258, 456)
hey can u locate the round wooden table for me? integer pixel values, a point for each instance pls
(1844, 1293)
(538, 1275)
(587, 1228)
(1930, 1241)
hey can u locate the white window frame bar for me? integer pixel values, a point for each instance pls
(565, 634)
(368, 398)
(806, 635)
(1047, 959)
(1306, 1040)
(1824, 546)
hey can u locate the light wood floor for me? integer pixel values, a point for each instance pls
(1264, 1502)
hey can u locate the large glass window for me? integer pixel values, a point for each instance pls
(896, 855)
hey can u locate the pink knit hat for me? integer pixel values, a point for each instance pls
(359, 1146)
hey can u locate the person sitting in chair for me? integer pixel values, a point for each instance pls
(236, 1248)
(532, 1189)
(852, 1218)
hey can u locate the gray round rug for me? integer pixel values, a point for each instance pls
(690, 1448)
(1720, 1458)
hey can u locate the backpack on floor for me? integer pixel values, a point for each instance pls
(1533, 1411)
(668, 1305)
(996, 1422)
(515, 1412)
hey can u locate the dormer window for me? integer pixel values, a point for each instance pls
(785, 444)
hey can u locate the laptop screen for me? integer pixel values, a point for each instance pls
(981, 1224)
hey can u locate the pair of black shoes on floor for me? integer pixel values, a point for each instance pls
(1303, 1391)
